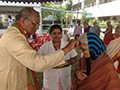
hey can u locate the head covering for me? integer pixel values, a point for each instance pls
(95, 46)
(113, 47)
(93, 43)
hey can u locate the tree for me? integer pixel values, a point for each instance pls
(69, 5)
(58, 15)
(48, 5)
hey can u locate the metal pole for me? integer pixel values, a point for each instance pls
(40, 20)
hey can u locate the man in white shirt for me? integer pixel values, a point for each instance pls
(10, 20)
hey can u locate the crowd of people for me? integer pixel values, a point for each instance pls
(95, 69)
(95, 28)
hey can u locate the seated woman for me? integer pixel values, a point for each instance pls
(110, 37)
(58, 78)
(113, 50)
(95, 70)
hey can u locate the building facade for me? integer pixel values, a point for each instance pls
(8, 8)
(101, 9)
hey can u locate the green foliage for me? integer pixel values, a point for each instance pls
(58, 15)
(48, 5)
(69, 5)
(102, 23)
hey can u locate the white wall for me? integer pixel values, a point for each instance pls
(108, 9)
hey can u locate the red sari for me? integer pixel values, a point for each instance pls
(108, 38)
(103, 75)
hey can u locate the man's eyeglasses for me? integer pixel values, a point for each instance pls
(35, 23)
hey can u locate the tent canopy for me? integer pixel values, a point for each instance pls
(29, 1)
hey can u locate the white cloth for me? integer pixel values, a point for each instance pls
(70, 31)
(51, 77)
(16, 55)
(64, 37)
(10, 21)
(113, 47)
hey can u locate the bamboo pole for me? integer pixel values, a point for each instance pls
(77, 12)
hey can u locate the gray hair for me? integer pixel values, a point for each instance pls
(85, 21)
(95, 22)
(83, 40)
(108, 21)
(25, 12)
(117, 27)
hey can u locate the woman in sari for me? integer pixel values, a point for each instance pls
(112, 37)
(95, 70)
(113, 50)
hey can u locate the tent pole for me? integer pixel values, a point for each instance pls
(40, 27)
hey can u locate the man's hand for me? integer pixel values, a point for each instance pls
(71, 45)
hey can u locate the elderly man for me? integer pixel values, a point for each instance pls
(16, 55)
(96, 28)
(87, 27)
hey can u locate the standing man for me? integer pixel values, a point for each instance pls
(96, 28)
(16, 55)
(87, 27)
(10, 20)
(77, 30)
